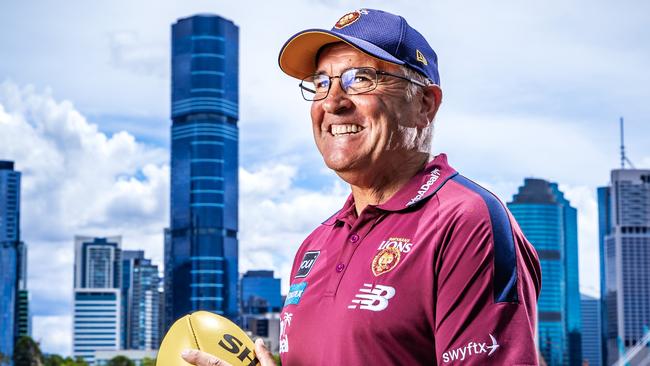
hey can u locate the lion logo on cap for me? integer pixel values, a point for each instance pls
(348, 19)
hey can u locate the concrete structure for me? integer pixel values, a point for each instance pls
(97, 296)
(624, 216)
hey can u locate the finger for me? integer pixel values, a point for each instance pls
(263, 354)
(198, 358)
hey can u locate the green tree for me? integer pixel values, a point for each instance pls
(57, 360)
(79, 361)
(120, 361)
(146, 361)
(27, 352)
(53, 360)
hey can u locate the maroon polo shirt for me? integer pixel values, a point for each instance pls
(439, 274)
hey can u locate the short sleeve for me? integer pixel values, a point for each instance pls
(486, 288)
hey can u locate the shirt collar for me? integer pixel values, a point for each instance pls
(422, 186)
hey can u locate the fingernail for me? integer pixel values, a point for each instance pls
(260, 340)
(185, 353)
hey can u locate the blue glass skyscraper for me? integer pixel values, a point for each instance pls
(550, 223)
(140, 302)
(591, 328)
(9, 253)
(201, 247)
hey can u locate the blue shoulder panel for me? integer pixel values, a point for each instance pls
(505, 261)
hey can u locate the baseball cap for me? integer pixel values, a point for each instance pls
(377, 33)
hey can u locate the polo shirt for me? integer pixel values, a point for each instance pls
(439, 274)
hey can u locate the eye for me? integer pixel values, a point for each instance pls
(321, 81)
(361, 78)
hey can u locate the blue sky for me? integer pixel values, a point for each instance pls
(530, 90)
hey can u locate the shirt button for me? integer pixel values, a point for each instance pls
(354, 238)
(339, 267)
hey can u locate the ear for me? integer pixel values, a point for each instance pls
(430, 100)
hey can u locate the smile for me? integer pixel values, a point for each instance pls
(345, 129)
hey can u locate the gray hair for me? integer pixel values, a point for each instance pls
(413, 89)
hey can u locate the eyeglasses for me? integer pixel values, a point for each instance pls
(356, 80)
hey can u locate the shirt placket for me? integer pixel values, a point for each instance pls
(353, 237)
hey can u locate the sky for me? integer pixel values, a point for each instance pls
(531, 89)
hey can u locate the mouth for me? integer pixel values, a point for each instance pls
(345, 129)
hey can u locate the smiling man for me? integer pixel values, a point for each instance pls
(421, 266)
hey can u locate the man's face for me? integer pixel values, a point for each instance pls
(386, 125)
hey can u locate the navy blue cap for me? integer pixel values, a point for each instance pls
(377, 33)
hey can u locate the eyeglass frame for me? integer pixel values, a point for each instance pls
(329, 87)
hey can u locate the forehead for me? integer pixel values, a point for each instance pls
(338, 56)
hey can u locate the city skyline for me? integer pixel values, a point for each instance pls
(548, 96)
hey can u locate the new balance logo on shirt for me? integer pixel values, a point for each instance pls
(373, 298)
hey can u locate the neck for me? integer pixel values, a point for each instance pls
(381, 186)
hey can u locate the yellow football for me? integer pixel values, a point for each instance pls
(209, 333)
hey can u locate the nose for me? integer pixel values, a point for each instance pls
(337, 100)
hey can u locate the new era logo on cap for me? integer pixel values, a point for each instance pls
(420, 57)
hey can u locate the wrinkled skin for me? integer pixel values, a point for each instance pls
(393, 143)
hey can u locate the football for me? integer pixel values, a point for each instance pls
(207, 332)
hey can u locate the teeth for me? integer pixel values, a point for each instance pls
(345, 129)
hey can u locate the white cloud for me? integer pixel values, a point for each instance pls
(276, 216)
(129, 52)
(583, 198)
(54, 333)
(76, 180)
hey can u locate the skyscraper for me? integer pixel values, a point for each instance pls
(23, 315)
(140, 302)
(9, 254)
(591, 339)
(201, 247)
(624, 213)
(97, 296)
(550, 223)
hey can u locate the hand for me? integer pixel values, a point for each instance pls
(199, 358)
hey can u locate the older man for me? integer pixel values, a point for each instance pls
(421, 266)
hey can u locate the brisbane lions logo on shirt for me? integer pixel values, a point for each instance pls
(389, 254)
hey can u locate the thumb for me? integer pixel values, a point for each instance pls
(263, 354)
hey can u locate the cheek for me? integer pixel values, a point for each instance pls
(316, 113)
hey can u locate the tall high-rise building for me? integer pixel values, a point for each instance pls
(201, 247)
(10, 255)
(97, 296)
(23, 315)
(624, 210)
(550, 224)
(140, 302)
(591, 339)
